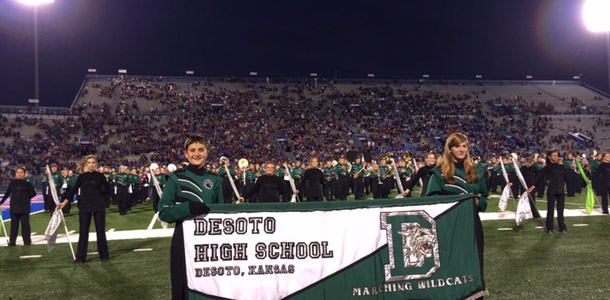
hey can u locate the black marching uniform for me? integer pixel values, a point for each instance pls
(424, 174)
(604, 184)
(269, 188)
(313, 180)
(556, 176)
(529, 175)
(21, 193)
(93, 190)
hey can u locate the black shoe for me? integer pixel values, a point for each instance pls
(105, 260)
(550, 231)
(78, 261)
(564, 231)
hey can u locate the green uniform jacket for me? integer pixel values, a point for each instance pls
(44, 180)
(122, 179)
(297, 173)
(222, 172)
(71, 180)
(438, 187)
(355, 169)
(328, 174)
(594, 166)
(191, 184)
(384, 172)
(58, 179)
(340, 170)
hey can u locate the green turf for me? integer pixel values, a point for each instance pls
(522, 263)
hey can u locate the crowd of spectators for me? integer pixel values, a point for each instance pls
(243, 119)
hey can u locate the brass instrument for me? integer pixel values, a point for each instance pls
(243, 165)
(224, 161)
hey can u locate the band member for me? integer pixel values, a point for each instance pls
(341, 171)
(49, 204)
(423, 173)
(376, 183)
(366, 178)
(227, 190)
(573, 182)
(594, 163)
(93, 188)
(58, 180)
(357, 175)
(21, 193)
(297, 176)
(187, 193)
(387, 182)
(604, 179)
(283, 173)
(456, 174)
(555, 174)
(269, 188)
(328, 173)
(313, 180)
(539, 164)
(528, 170)
(122, 190)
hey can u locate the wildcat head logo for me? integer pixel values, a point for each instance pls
(417, 243)
(411, 236)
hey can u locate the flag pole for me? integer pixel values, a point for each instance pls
(524, 184)
(61, 213)
(159, 193)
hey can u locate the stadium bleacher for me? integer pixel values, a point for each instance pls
(139, 119)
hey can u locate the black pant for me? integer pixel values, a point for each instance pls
(178, 265)
(561, 202)
(533, 206)
(122, 199)
(342, 187)
(326, 191)
(358, 188)
(83, 237)
(26, 232)
(314, 198)
(227, 190)
(376, 188)
(604, 191)
(49, 204)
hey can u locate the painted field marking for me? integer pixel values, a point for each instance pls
(580, 225)
(142, 250)
(30, 256)
(504, 229)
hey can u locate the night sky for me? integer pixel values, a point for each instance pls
(500, 39)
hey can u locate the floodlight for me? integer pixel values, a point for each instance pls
(35, 2)
(596, 15)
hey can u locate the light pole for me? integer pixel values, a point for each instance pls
(596, 16)
(36, 3)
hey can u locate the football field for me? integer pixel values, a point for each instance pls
(520, 262)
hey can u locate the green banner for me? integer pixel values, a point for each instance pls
(418, 248)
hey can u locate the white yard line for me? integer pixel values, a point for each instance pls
(142, 250)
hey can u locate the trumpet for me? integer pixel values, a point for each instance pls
(224, 161)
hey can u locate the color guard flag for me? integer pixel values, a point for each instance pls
(506, 191)
(590, 202)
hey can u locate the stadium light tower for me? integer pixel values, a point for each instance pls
(596, 16)
(35, 4)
